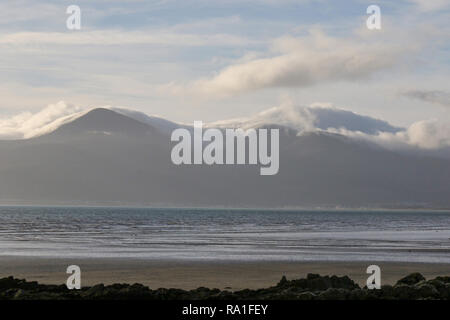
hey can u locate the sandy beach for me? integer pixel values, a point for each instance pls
(193, 274)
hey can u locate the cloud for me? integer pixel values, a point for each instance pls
(432, 96)
(323, 117)
(425, 134)
(317, 116)
(27, 125)
(25, 11)
(300, 62)
(429, 134)
(120, 37)
(430, 5)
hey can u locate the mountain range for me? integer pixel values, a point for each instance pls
(108, 156)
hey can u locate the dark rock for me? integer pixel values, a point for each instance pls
(19, 294)
(443, 279)
(334, 294)
(282, 282)
(312, 287)
(306, 296)
(411, 279)
(358, 294)
(96, 291)
(312, 276)
(427, 290)
(386, 291)
(405, 292)
(8, 283)
(315, 282)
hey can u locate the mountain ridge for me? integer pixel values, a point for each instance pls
(81, 164)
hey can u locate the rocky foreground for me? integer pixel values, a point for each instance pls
(313, 287)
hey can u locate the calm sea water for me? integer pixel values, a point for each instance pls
(210, 234)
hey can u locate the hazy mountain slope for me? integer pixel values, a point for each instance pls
(105, 157)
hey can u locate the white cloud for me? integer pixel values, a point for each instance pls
(425, 134)
(323, 117)
(26, 125)
(300, 62)
(432, 96)
(429, 134)
(120, 37)
(431, 5)
(25, 11)
(318, 117)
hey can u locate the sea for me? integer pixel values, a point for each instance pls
(226, 234)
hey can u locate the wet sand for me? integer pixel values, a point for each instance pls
(193, 274)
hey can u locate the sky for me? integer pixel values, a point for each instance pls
(212, 60)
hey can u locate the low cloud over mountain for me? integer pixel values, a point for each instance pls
(315, 117)
(319, 117)
(121, 157)
(27, 125)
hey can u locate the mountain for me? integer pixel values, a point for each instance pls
(313, 117)
(105, 122)
(106, 157)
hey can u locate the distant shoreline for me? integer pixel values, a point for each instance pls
(161, 206)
